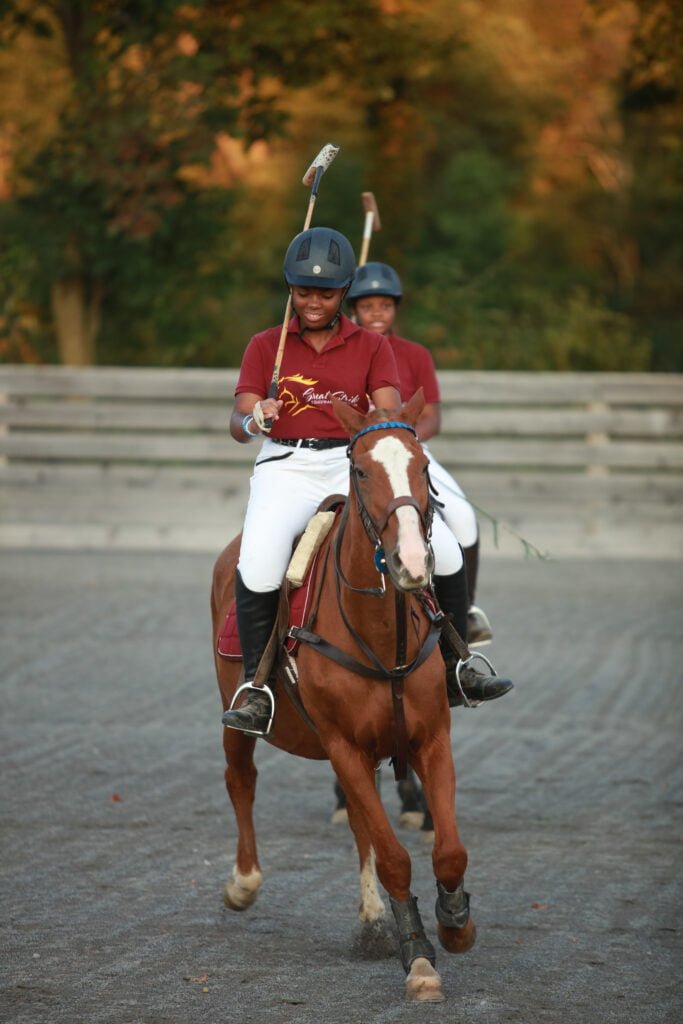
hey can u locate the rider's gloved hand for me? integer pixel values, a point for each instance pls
(260, 419)
(265, 414)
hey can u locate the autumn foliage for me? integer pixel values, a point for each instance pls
(527, 160)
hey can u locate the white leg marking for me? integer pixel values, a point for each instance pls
(241, 890)
(395, 458)
(371, 906)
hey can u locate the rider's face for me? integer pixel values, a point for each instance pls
(376, 313)
(315, 306)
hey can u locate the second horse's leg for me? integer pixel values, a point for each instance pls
(412, 802)
(340, 813)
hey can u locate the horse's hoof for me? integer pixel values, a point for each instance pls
(457, 940)
(427, 837)
(412, 820)
(340, 816)
(241, 890)
(423, 984)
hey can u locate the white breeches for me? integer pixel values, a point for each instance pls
(459, 515)
(284, 493)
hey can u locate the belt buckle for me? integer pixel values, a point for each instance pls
(315, 444)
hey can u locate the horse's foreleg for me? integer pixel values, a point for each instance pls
(240, 780)
(371, 826)
(371, 907)
(434, 766)
(423, 982)
(357, 777)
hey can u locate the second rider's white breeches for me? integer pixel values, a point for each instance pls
(457, 512)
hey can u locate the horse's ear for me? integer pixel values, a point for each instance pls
(413, 407)
(351, 420)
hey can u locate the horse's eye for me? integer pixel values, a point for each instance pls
(360, 474)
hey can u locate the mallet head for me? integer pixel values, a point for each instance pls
(370, 206)
(323, 160)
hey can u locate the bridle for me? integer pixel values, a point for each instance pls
(373, 529)
(375, 669)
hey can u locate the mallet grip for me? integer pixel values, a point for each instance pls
(272, 389)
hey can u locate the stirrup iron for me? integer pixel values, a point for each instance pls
(466, 663)
(256, 689)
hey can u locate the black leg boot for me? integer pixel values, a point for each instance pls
(479, 632)
(451, 593)
(256, 615)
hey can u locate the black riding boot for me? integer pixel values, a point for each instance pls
(256, 615)
(451, 593)
(479, 630)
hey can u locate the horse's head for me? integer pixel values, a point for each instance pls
(390, 482)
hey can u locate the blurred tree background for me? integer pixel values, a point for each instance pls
(527, 159)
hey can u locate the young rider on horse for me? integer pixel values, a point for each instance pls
(374, 297)
(303, 455)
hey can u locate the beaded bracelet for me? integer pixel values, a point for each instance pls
(245, 420)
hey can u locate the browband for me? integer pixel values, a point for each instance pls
(385, 425)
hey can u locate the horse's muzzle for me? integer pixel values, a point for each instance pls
(410, 579)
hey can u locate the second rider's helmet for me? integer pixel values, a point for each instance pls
(375, 279)
(319, 258)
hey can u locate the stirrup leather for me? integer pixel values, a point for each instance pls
(255, 689)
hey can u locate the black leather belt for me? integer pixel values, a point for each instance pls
(316, 444)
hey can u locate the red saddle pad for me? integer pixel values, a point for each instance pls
(300, 601)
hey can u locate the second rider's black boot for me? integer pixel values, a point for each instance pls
(479, 632)
(451, 593)
(256, 613)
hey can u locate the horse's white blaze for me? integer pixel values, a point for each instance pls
(395, 458)
(371, 904)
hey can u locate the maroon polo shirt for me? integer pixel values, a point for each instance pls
(353, 364)
(416, 368)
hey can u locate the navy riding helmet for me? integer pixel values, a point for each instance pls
(375, 279)
(319, 258)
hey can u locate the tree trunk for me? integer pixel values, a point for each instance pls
(76, 314)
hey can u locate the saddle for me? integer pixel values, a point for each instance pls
(298, 589)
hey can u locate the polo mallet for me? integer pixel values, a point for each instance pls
(371, 224)
(311, 177)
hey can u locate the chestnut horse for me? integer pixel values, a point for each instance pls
(372, 684)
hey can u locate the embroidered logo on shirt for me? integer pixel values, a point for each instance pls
(301, 394)
(292, 402)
